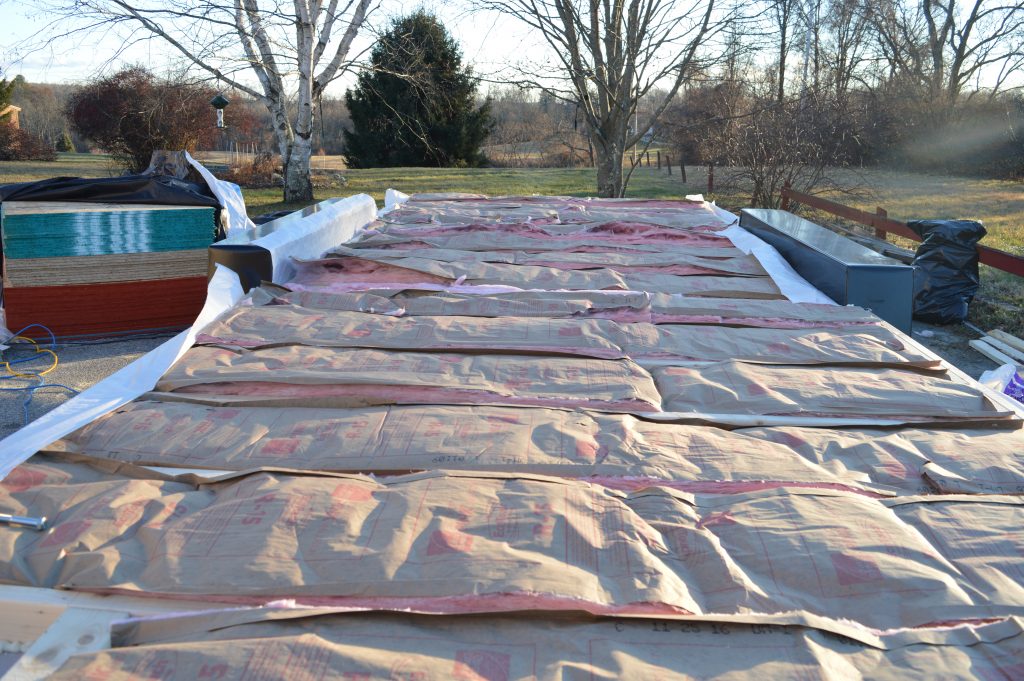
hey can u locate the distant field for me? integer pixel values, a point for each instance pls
(999, 204)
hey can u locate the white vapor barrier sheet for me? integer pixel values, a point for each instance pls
(121, 387)
(793, 286)
(311, 236)
(230, 196)
(394, 198)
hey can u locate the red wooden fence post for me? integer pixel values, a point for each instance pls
(784, 203)
(879, 231)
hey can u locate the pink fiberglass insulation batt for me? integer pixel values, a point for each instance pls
(616, 305)
(253, 327)
(434, 537)
(556, 442)
(678, 215)
(532, 646)
(598, 242)
(667, 262)
(625, 306)
(740, 388)
(362, 377)
(384, 439)
(613, 232)
(331, 275)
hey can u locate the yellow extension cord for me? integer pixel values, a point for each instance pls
(39, 350)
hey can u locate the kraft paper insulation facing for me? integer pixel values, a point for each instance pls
(461, 542)
(553, 442)
(504, 413)
(288, 325)
(382, 646)
(624, 306)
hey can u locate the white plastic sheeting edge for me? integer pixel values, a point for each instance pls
(121, 387)
(793, 286)
(314, 234)
(230, 196)
(394, 198)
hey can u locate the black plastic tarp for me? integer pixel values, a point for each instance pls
(132, 189)
(945, 269)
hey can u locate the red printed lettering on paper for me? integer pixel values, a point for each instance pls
(449, 541)
(482, 665)
(65, 533)
(23, 478)
(279, 446)
(503, 523)
(587, 451)
(854, 570)
(213, 671)
(352, 493)
(154, 666)
(755, 389)
(713, 519)
(129, 514)
(404, 670)
(296, 510)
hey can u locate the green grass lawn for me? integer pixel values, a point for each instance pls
(997, 203)
(66, 165)
(646, 183)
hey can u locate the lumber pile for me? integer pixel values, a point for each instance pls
(86, 268)
(1001, 348)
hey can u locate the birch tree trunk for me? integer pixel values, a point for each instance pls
(294, 50)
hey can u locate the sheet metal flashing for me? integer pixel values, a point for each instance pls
(844, 270)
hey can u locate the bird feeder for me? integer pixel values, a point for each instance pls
(218, 103)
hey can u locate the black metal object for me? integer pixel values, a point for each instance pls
(845, 271)
(252, 262)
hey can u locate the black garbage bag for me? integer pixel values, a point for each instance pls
(945, 269)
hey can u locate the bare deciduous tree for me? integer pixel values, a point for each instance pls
(293, 50)
(612, 53)
(945, 46)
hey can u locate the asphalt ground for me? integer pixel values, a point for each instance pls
(80, 364)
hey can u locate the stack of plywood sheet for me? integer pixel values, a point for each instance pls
(540, 438)
(83, 268)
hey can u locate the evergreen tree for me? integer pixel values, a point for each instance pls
(6, 90)
(64, 142)
(416, 105)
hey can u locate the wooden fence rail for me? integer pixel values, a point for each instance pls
(883, 224)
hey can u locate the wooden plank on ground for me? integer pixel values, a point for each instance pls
(1007, 338)
(1006, 349)
(990, 352)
